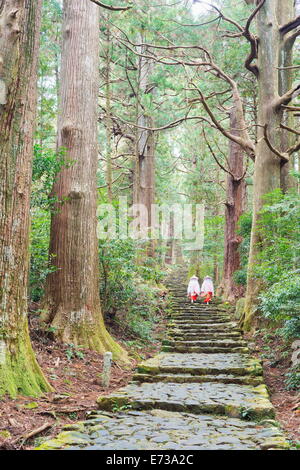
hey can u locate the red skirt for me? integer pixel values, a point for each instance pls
(194, 296)
(208, 297)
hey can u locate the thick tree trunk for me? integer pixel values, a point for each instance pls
(234, 208)
(109, 123)
(72, 295)
(267, 171)
(19, 41)
(286, 13)
(144, 181)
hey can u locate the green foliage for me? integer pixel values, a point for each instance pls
(292, 380)
(279, 228)
(128, 288)
(40, 266)
(244, 229)
(281, 302)
(245, 413)
(47, 163)
(74, 352)
(117, 407)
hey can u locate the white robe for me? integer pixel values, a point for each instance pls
(207, 286)
(193, 287)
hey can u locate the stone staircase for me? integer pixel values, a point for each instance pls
(203, 391)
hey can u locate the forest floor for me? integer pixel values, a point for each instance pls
(77, 383)
(75, 374)
(276, 363)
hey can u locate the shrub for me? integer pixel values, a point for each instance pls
(128, 289)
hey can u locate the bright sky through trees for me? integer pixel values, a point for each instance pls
(200, 8)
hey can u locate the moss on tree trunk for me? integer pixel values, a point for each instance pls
(19, 34)
(72, 300)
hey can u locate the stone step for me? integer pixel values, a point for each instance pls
(201, 364)
(206, 342)
(207, 371)
(214, 398)
(183, 292)
(189, 378)
(227, 326)
(211, 315)
(194, 334)
(197, 321)
(195, 310)
(197, 305)
(205, 349)
(182, 297)
(187, 315)
(204, 335)
(163, 430)
(185, 300)
(194, 313)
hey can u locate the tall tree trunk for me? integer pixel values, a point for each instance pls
(19, 41)
(144, 181)
(109, 123)
(234, 208)
(267, 171)
(286, 13)
(73, 289)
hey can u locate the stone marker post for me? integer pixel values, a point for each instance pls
(107, 358)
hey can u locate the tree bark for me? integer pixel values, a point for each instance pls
(286, 13)
(72, 294)
(144, 180)
(267, 170)
(234, 208)
(109, 122)
(19, 42)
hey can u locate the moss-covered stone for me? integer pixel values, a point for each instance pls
(65, 439)
(208, 395)
(275, 443)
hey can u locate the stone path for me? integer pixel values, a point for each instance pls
(203, 391)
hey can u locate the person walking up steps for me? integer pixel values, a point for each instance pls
(207, 289)
(193, 289)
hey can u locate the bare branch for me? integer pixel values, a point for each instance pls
(293, 109)
(294, 148)
(288, 96)
(154, 46)
(110, 7)
(190, 25)
(113, 182)
(253, 41)
(243, 32)
(245, 143)
(290, 67)
(171, 125)
(215, 157)
(293, 36)
(294, 131)
(281, 155)
(286, 28)
(229, 20)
